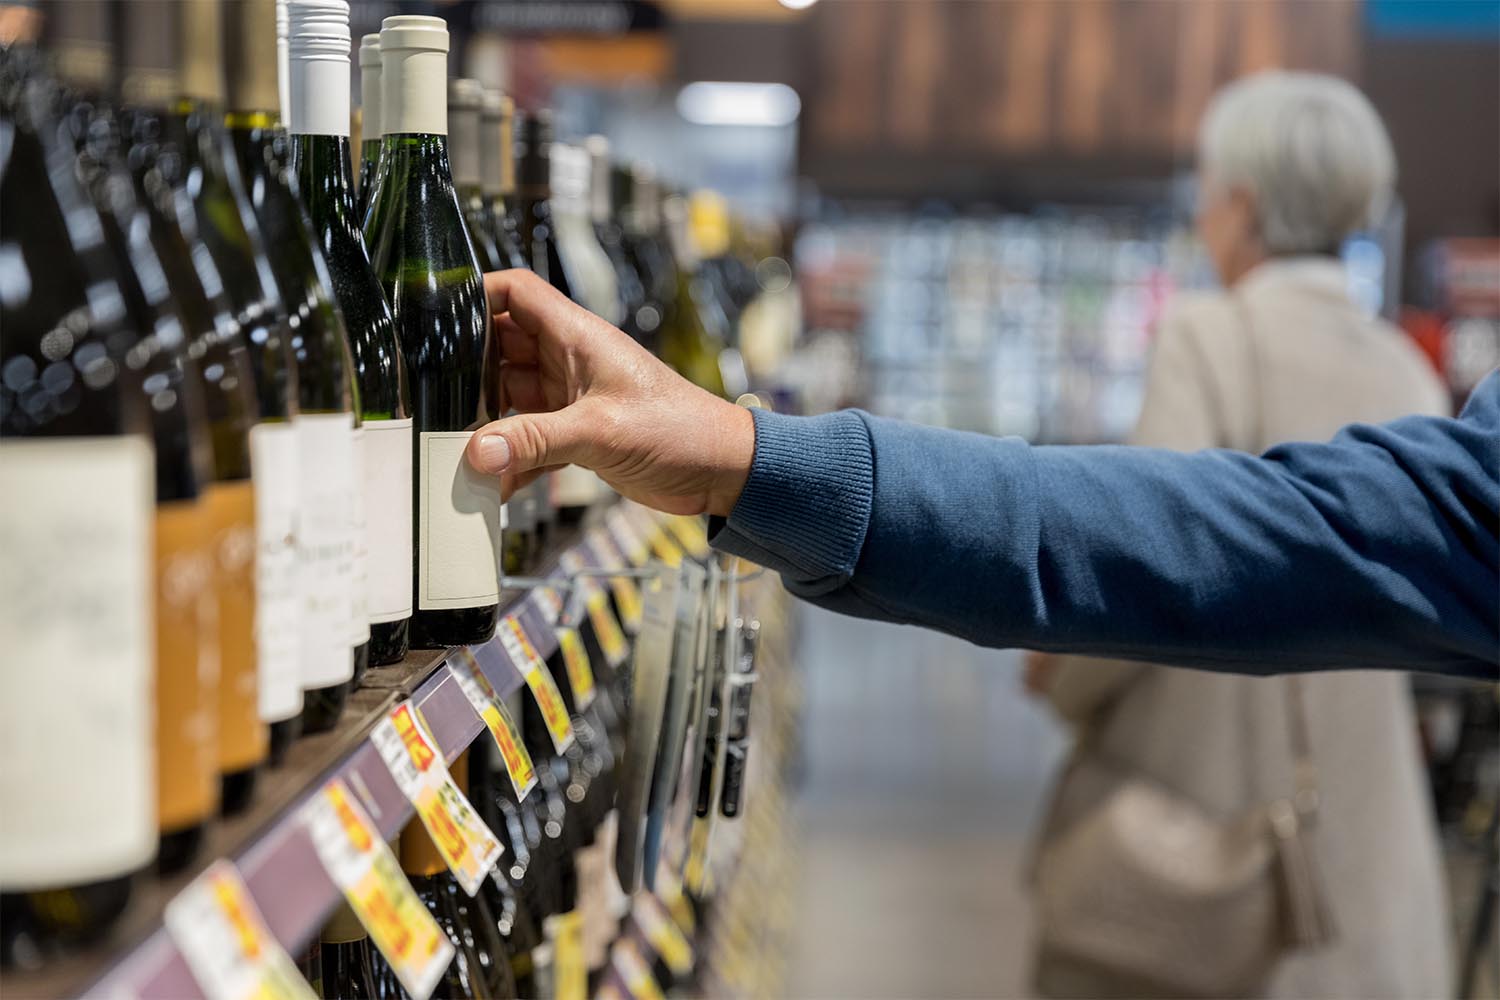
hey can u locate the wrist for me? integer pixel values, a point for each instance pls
(734, 453)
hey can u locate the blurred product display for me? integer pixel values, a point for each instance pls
(302, 705)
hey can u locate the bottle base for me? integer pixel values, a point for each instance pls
(361, 664)
(283, 735)
(456, 627)
(389, 642)
(35, 924)
(322, 707)
(178, 848)
(237, 789)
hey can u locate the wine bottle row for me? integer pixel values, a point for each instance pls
(235, 391)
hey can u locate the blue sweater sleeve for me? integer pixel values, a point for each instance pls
(1377, 549)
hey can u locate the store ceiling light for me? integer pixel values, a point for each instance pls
(798, 4)
(766, 104)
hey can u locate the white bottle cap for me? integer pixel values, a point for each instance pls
(413, 75)
(283, 88)
(464, 99)
(318, 58)
(369, 85)
(491, 115)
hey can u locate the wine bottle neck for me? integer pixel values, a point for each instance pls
(491, 179)
(78, 34)
(200, 34)
(463, 146)
(250, 61)
(150, 63)
(369, 87)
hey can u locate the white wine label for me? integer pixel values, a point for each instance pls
(278, 636)
(76, 613)
(325, 545)
(359, 594)
(224, 939)
(410, 753)
(459, 510)
(363, 867)
(387, 497)
(491, 708)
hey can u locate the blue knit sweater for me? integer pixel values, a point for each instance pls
(1377, 549)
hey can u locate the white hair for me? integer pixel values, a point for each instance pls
(1310, 149)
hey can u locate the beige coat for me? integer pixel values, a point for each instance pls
(1315, 364)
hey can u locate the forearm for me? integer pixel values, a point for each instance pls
(1213, 559)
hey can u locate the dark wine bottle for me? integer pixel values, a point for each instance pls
(369, 109)
(327, 403)
(497, 170)
(631, 290)
(639, 200)
(186, 633)
(150, 80)
(464, 100)
(481, 965)
(76, 496)
(506, 889)
(422, 254)
(345, 955)
(319, 76)
(226, 227)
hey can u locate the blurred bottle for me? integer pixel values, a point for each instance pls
(464, 100)
(226, 228)
(370, 127)
(511, 887)
(697, 336)
(346, 958)
(325, 420)
(497, 168)
(610, 235)
(186, 608)
(76, 471)
(639, 212)
(220, 362)
(480, 966)
(381, 511)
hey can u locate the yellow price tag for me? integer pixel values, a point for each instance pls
(365, 870)
(570, 974)
(669, 890)
(663, 934)
(695, 872)
(665, 547)
(539, 679)
(627, 594)
(634, 972)
(692, 534)
(576, 661)
(606, 629)
(487, 703)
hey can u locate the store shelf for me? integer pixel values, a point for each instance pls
(268, 842)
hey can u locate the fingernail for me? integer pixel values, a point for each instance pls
(494, 453)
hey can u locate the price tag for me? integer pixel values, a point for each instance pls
(550, 601)
(607, 630)
(491, 708)
(466, 844)
(691, 534)
(695, 872)
(627, 594)
(570, 972)
(665, 547)
(663, 934)
(225, 942)
(669, 890)
(633, 971)
(580, 672)
(626, 537)
(539, 679)
(365, 870)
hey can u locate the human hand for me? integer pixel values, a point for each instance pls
(586, 394)
(1038, 673)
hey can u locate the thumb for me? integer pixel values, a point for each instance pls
(527, 441)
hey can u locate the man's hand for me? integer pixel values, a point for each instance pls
(586, 394)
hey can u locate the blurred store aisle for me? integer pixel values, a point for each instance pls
(926, 766)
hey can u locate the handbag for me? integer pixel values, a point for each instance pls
(1141, 892)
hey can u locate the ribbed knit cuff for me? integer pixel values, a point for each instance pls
(806, 504)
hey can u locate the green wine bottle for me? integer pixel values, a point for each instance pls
(464, 100)
(319, 76)
(422, 253)
(327, 402)
(369, 108)
(76, 470)
(227, 229)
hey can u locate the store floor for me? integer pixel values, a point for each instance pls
(925, 768)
